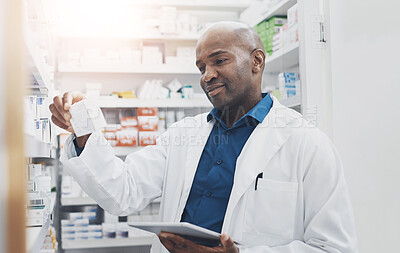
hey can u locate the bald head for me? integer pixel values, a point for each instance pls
(237, 33)
(231, 57)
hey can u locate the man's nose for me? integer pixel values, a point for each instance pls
(209, 74)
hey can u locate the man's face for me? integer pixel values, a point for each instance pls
(226, 70)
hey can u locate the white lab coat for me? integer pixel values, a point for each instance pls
(301, 203)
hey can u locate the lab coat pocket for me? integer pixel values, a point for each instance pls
(271, 209)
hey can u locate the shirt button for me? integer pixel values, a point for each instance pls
(228, 132)
(208, 194)
(219, 162)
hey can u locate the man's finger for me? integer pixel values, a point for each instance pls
(57, 115)
(71, 98)
(168, 244)
(60, 124)
(58, 103)
(228, 244)
(176, 243)
(67, 99)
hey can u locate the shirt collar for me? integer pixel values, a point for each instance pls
(258, 112)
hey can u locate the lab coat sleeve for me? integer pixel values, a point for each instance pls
(119, 187)
(328, 215)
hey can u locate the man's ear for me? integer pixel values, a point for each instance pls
(258, 60)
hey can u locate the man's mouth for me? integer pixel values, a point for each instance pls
(214, 90)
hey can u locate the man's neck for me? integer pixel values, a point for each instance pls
(231, 115)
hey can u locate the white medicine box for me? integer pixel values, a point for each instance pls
(86, 118)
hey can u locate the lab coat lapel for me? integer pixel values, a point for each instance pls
(194, 151)
(266, 139)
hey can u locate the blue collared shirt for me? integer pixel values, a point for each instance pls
(212, 184)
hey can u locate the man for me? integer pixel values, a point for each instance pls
(251, 168)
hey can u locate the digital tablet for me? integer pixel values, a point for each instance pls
(188, 231)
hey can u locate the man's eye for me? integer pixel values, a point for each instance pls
(219, 61)
(201, 70)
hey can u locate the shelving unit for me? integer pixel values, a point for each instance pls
(36, 148)
(86, 201)
(78, 201)
(110, 102)
(38, 68)
(35, 237)
(38, 90)
(133, 69)
(107, 243)
(283, 59)
(40, 74)
(37, 42)
(237, 6)
(278, 10)
(165, 37)
(291, 101)
(287, 59)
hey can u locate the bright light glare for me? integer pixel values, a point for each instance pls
(92, 18)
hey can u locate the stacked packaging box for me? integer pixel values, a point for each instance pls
(139, 127)
(128, 135)
(267, 30)
(292, 36)
(39, 184)
(261, 29)
(274, 26)
(50, 243)
(79, 226)
(37, 118)
(289, 84)
(148, 126)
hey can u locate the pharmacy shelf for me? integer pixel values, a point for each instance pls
(278, 10)
(124, 151)
(110, 102)
(39, 71)
(237, 6)
(282, 60)
(35, 237)
(87, 201)
(38, 90)
(170, 37)
(107, 243)
(129, 69)
(36, 148)
(291, 101)
(78, 201)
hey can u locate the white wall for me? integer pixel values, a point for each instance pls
(365, 49)
(3, 167)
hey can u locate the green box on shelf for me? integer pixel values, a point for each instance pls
(263, 25)
(274, 24)
(277, 21)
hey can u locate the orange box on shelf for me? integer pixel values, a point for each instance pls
(148, 138)
(129, 121)
(127, 137)
(147, 111)
(110, 134)
(148, 123)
